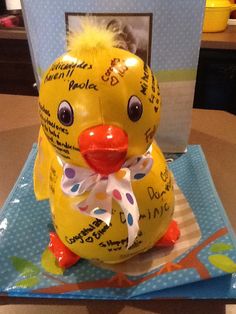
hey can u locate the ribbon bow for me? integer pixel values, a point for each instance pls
(117, 186)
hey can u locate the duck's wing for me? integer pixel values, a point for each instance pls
(42, 167)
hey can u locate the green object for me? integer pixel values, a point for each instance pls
(24, 267)
(219, 247)
(49, 263)
(223, 262)
(28, 282)
(176, 75)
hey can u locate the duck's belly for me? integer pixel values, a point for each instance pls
(91, 238)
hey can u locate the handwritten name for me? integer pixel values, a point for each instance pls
(144, 80)
(84, 85)
(115, 71)
(154, 194)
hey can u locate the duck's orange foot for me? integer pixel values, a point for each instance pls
(170, 237)
(169, 267)
(120, 280)
(64, 256)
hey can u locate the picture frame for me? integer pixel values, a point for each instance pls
(133, 30)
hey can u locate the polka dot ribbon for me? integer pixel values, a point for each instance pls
(102, 189)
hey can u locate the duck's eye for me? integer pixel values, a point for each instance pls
(65, 113)
(135, 108)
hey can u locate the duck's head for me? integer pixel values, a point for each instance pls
(99, 105)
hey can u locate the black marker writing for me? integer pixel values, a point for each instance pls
(84, 85)
(154, 194)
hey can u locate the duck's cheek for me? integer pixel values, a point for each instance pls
(104, 147)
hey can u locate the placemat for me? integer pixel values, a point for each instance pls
(28, 270)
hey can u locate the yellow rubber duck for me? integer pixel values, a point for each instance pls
(109, 187)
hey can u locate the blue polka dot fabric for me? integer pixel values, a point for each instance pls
(24, 234)
(176, 28)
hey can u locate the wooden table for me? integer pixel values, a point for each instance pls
(221, 40)
(214, 130)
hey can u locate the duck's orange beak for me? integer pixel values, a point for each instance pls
(104, 147)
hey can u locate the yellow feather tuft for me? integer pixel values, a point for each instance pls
(91, 37)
